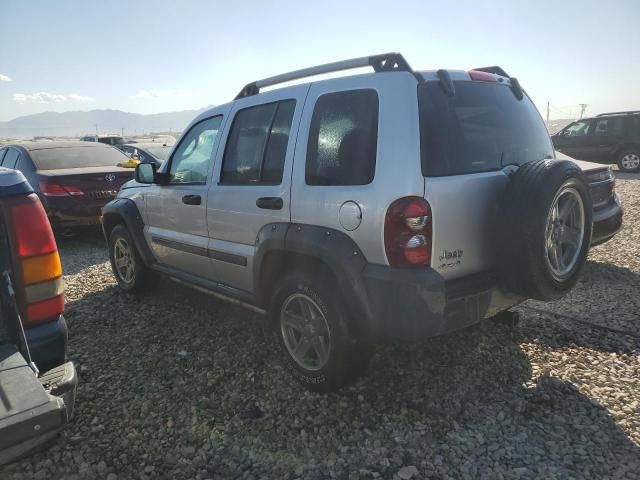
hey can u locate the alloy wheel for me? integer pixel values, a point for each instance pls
(305, 331)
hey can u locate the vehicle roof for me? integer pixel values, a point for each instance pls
(31, 146)
(427, 76)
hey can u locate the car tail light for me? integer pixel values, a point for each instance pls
(52, 189)
(407, 232)
(39, 272)
(479, 76)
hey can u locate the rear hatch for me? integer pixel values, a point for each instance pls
(470, 139)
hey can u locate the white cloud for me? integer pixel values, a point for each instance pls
(39, 97)
(46, 97)
(161, 93)
(80, 98)
(4, 78)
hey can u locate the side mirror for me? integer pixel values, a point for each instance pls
(145, 173)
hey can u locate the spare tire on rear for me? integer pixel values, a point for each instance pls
(545, 229)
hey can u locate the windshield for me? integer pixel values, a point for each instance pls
(159, 151)
(482, 127)
(77, 157)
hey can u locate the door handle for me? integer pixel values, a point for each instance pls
(192, 199)
(269, 203)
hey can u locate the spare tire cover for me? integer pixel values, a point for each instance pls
(544, 230)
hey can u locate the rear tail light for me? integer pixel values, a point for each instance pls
(407, 232)
(480, 76)
(39, 272)
(52, 189)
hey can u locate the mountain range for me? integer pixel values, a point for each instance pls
(78, 123)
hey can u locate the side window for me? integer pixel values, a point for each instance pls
(343, 139)
(257, 144)
(578, 129)
(190, 162)
(608, 127)
(2, 152)
(11, 158)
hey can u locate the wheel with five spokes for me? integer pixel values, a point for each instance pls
(545, 232)
(629, 161)
(310, 324)
(130, 272)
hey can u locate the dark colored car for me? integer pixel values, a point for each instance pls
(37, 384)
(607, 138)
(148, 152)
(74, 180)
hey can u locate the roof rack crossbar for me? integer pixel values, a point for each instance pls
(628, 112)
(386, 62)
(496, 70)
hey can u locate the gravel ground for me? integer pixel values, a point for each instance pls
(174, 384)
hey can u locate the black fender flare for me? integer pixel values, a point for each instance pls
(334, 249)
(125, 211)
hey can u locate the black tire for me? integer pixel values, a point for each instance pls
(142, 277)
(347, 360)
(625, 155)
(522, 237)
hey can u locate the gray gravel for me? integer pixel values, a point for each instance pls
(174, 384)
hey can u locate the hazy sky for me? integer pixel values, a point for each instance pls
(155, 56)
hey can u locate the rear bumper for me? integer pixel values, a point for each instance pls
(35, 409)
(406, 304)
(68, 212)
(47, 343)
(607, 221)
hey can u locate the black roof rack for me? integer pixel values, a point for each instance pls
(386, 62)
(628, 112)
(496, 70)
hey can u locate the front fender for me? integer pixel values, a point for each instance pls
(125, 211)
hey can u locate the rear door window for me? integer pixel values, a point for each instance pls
(608, 127)
(483, 127)
(257, 145)
(343, 139)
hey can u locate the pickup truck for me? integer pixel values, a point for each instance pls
(37, 384)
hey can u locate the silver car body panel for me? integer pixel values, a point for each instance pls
(224, 228)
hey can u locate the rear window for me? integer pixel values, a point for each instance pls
(483, 127)
(77, 157)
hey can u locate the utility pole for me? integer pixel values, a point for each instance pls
(583, 107)
(122, 130)
(96, 129)
(547, 111)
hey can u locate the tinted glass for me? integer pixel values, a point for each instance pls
(276, 150)
(2, 152)
(190, 162)
(343, 139)
(609, 127)
(77, 157)
(11, 158)
(482, 127)
(247, 144)
(578, 129)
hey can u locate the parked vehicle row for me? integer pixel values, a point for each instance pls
(392, 205)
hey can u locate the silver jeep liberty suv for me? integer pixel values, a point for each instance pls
(392, 205)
